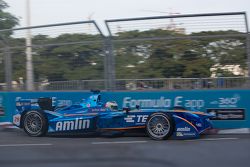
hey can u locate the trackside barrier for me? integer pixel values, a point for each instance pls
(231, 107)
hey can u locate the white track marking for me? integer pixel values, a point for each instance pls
(120, 142)
(214, 139)
(24, 145)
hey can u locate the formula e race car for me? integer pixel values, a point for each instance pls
(42, 116)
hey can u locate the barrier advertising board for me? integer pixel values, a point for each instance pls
(231, 107)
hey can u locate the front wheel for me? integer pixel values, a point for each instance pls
(35, 123)
(159, 126)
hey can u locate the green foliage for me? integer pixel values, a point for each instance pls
(188, 58)
(68, 62)
(81, 56)
(7, 20)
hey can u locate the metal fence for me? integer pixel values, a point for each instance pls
(143, 84)
(79, 56)
(58, 52)
(183, 83)
(153, 47)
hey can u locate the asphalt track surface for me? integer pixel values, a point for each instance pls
(19, 150)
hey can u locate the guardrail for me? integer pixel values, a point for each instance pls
(140, 84)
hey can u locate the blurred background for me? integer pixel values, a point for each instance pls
(136, 52)
(168, 51)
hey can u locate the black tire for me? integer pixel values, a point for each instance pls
(159, 126)
(35, 123)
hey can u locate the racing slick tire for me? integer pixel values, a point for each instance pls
(159, 126)
(35, 123)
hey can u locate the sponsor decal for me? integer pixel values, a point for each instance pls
(2, 111)
(18, 104)
(227, 102)
(188, 134)
(144, 103)
(136, 118)
(163, 102)
(130, 118)
(198, 124)
(77, 124)
(227, 113)
(16, 119)
(179, 134)
(64, 102)
(185, 129)
(97, 109)
(1, 107)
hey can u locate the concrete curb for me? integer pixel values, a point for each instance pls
(234, 131)
(228, 131)
(6, 125)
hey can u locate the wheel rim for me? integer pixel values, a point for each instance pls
(158, 126)
(33, 123)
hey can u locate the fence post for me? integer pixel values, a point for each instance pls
(105, 48)
(109, 65)
(8, 67)
(247, 43)
(248, 53)
(7, 64)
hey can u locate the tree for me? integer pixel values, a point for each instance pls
(72, 61)
(181, 57)
(7, 21)
(171, 58)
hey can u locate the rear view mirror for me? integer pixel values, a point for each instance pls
(127, 109)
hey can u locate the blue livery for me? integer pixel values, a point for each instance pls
(41, 116)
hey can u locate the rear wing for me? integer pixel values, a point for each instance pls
(43, 103)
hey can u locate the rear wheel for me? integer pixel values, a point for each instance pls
(159, 126)
(35, 123)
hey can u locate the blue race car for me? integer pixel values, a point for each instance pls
(42, 116)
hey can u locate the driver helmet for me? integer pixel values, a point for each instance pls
(112, 105)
